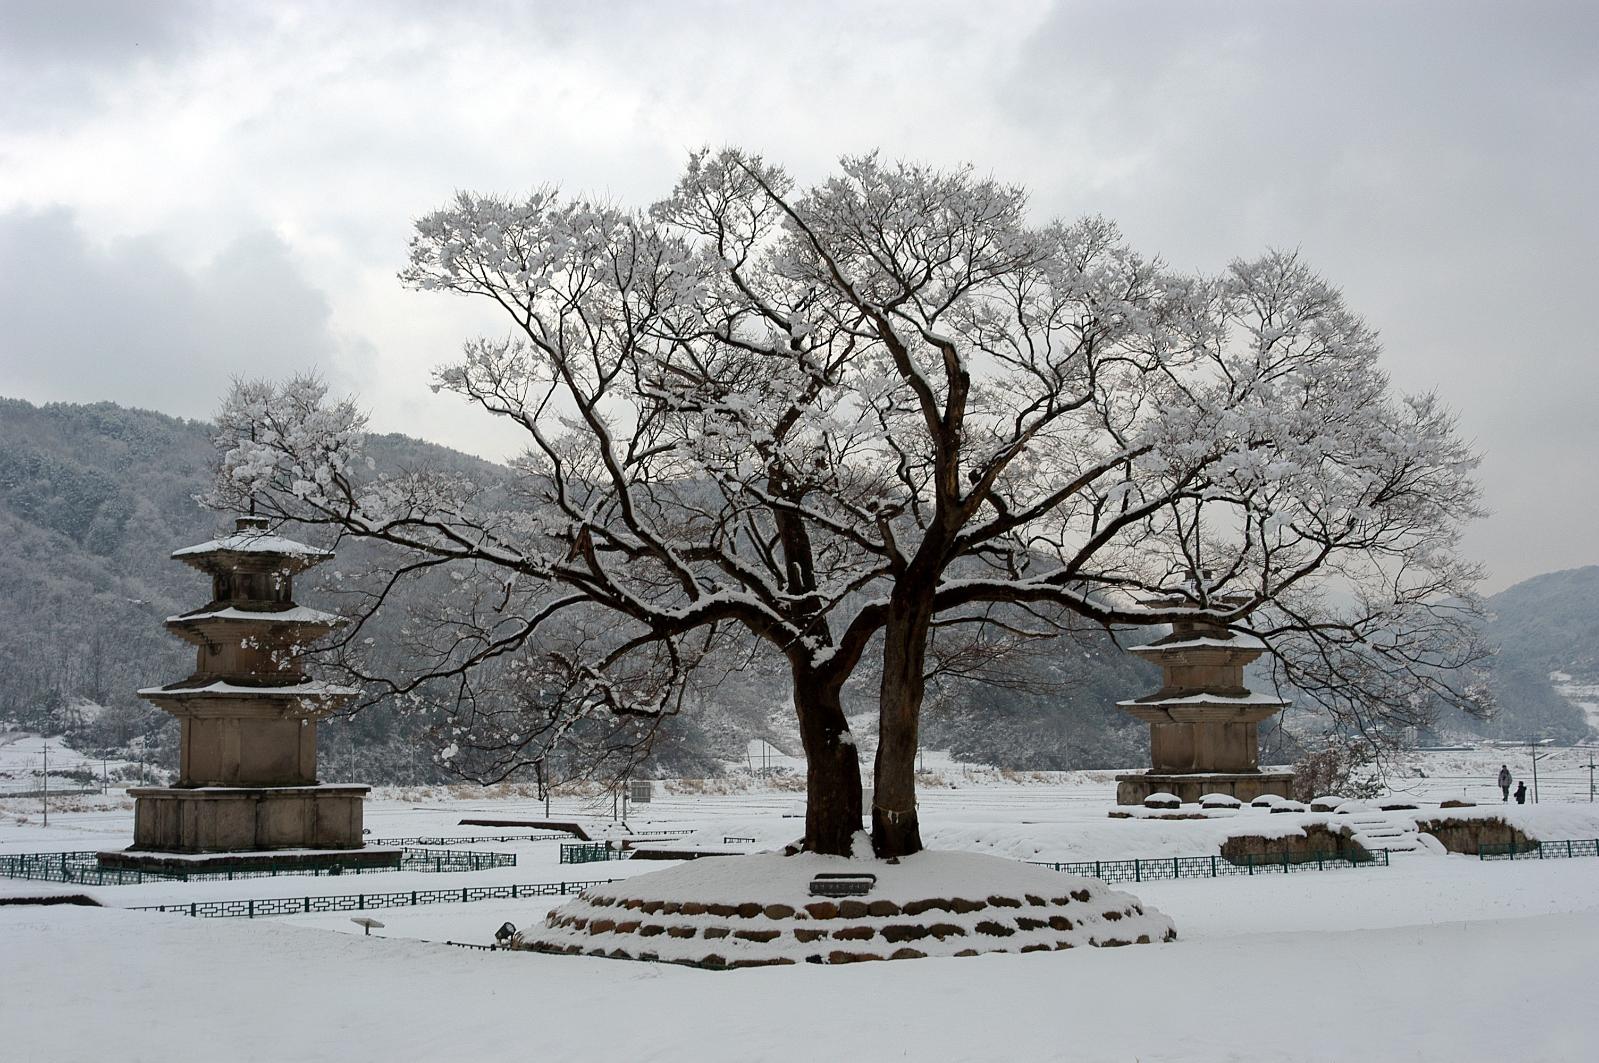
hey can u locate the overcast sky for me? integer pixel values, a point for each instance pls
(191, 191)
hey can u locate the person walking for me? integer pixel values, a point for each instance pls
(1521, 792)
(1504, 781)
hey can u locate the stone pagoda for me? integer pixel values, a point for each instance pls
(1203, 721)
(247, 792)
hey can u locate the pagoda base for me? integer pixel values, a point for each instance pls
(1189, 787)
(224, 819)
(287, 861)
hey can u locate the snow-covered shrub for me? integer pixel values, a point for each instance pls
(1338, 769)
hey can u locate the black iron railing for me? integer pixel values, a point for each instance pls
(590, 853)
(1532, 850)
(362, 902)
(472, 839)
(1174, 867)
(83, 867)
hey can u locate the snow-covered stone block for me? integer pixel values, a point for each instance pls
(757, 910)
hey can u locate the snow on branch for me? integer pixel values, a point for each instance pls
(822, 416)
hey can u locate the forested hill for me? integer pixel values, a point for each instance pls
(1545, 625)
(94, 498)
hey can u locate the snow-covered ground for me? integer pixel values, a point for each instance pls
(1583, 695)
(1435, 776)
(22, 761)
(1434, 957)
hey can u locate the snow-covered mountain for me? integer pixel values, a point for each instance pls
(93, 498)
(1547, 631)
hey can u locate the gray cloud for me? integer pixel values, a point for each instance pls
(56, 56)
(129, 324)
(1433, 158)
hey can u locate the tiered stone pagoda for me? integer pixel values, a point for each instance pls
(247, 791)
(1203, 721)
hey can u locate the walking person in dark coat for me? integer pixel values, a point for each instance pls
(1504, 781)
(1521, 793)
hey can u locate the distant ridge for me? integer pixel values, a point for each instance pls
(1542, 625)
(93, 499)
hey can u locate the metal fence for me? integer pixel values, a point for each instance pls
(590, 853)
(7, 795)
(361, 902)
(83, 867)
(1175, 867)
(417, 859)
(1531, 850)
(469, 839)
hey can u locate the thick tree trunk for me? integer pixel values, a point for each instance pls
(895, 829)
(832, 768)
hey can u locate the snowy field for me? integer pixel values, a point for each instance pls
(1434, 957)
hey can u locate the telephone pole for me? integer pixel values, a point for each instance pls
(46, 790)
(1532, 748)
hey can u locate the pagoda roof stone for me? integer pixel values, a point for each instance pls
(1247, 699)
(298, 615)
(1173, 643)
(223, 688)
(253, 535)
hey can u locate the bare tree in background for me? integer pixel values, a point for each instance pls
(843, 418)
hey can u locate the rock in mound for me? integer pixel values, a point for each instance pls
(750, 911)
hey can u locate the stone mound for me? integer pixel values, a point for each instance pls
(755, 911)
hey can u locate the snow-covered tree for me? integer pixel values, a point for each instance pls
(845, 419)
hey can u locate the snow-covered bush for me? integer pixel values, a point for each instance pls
(1338, 769)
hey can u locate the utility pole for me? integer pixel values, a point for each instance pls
(105, 778)
(1590, 778)
(1532, 748)
(46, 790)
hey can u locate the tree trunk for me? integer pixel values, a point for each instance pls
(895, 829)
(832, 768)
